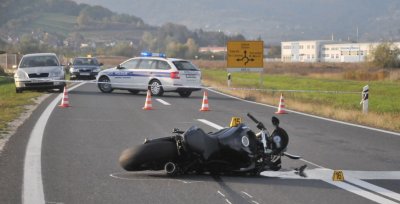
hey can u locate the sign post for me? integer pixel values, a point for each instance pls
(364, 99)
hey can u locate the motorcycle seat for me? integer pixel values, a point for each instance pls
(197, 141)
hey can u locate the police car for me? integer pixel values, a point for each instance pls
(154, 72)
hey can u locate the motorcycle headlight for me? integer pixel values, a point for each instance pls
(21, 75)
(73, 70)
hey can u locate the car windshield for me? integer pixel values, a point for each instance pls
(39, 61)
(86, 61)
(185, 65)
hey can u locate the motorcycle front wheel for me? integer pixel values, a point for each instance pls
(149, 156)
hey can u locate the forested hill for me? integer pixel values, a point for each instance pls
(67, 23)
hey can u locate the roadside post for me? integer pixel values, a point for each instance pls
(245, 56)
(364, 99)
(229, 79)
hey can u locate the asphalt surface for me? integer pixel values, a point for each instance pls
(81, 146)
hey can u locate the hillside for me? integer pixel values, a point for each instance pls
(274, 20)
(66, 26)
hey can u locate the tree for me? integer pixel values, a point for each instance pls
(385, 55)
(192, 48)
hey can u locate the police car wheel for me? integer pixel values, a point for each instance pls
(104, 86)
(156, 88)
(185, 94)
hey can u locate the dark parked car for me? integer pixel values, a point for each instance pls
(84, 68)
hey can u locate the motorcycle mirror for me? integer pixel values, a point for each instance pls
(275, 121)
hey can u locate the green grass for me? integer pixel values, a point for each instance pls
(384, 95)
(12, 104)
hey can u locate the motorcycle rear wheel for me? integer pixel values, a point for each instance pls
(150, 156)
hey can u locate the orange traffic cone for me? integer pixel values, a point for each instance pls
(204, 105)
(281, 108)
(147, 104)
(65, 101)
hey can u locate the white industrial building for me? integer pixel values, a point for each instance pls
(326, 51)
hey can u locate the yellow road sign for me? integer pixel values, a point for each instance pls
(245, 54)
(338, 175)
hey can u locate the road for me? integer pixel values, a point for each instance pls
(78, 150)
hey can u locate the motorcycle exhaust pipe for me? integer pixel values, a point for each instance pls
(171, 169)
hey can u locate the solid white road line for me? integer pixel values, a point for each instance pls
(374, 188)
(326, 174)
(32, 189)
(313, 116)
(163, 102)
(374, 175)
(218, 127)
(360, 192)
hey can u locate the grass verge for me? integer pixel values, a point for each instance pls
(384, 102)
(12, 104)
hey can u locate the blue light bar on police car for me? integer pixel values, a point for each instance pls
(150, 54)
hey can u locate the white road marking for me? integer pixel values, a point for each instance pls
(374, 175)
(360, 192)
(218, 127)
(32, 189)
(163, 102)
(250, 196)
(374, 188)
(312, 163)
(219, 192)
(326, 176)
(228, 201)
(255, 202)
(313, 116)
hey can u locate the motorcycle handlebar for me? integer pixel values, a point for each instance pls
(259, 124)
(252, 118)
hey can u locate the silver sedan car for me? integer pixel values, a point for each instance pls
(39, 71)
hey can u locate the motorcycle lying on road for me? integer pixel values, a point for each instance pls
(229, 150)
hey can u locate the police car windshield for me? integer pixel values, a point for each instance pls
(184, 65)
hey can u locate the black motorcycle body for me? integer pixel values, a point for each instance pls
(230, 150)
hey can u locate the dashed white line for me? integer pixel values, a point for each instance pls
(219, 192)
(163, 102)
(32, 189)
(255, 202)
(250, 196)
(228, 201)
(218, 127)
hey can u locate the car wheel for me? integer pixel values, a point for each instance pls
(17, 90)
(105, 85)
(133, 91)
(185, 94)
(156, 88)
(60, 89)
